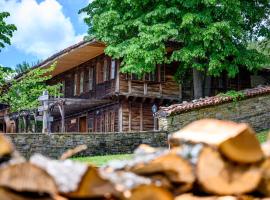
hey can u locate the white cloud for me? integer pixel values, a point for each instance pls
(43, 29)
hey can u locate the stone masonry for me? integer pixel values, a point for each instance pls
(54, 145)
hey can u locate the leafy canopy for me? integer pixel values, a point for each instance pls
(22, 93)
(6, 30)
(209, 35)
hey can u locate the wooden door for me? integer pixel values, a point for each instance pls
(83, 125)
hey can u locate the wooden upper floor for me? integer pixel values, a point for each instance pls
(100, 77)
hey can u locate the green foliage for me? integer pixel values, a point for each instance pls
(22, 67)
(209, 35)
(25, 66)
(6, 30)
(22, 93)
(235, 95)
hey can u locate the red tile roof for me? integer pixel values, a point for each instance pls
(208, 101)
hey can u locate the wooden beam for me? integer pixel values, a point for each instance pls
(120, 117)
(117, 84)
(129, 116)
(145, 88)
(141, 117)
(180, 93)
(129, 87)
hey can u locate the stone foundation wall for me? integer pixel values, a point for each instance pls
(255, 111)
(54, 145)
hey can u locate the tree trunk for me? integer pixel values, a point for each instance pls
(197, 83)
(207, 86)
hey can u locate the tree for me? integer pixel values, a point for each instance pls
(208, 36)
(25, 66)
(22, 93)
(22, 67)
(6, 30)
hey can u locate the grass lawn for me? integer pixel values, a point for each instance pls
(101, 160)
(262, 136)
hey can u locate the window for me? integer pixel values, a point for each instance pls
(105, 70)
(81, 81)
(63, 86)
(75, 84)
(162, 74)
(151, 76)
(113, 65)
(90, 124)
(91, 75)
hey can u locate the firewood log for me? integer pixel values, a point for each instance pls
(151, 162)
(6, 194)
(6, 148)
(220, 176)
(232, 140)
(93, 186)
(192, 197)
(264, 186)
(67, 174)
(150, 192)
(75, 180)
(26, 177)
(174, 167)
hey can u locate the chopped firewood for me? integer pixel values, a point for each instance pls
(192, 197)
(219, 176)
(144, 149)
(264, 186)
(26, 177)
(172, 165)
(232, 139)
(6, 148)
(6, 194)
(149, 192)
(162, 179)
(93, 186)
(71, 152)
(67, 174)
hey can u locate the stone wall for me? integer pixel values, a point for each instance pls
(54, 145)
(255, 111)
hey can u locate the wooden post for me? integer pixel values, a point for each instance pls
(117, 85)
(145, 88)
(120, 118)
(129, 117)
(141, 117)
(62, 112)
(180, 93)
(129, 86)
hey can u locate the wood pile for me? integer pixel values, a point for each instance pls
(207, 160)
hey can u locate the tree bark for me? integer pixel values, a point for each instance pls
(197, 83)
(207, 86)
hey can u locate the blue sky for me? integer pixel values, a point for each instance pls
(44, 27)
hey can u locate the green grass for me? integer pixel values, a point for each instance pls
(262, 136)
(101, 160)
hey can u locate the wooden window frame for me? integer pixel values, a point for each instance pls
(75, 84)
(105, 70)
(91, 78)
(81, 85)
(113, 69)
